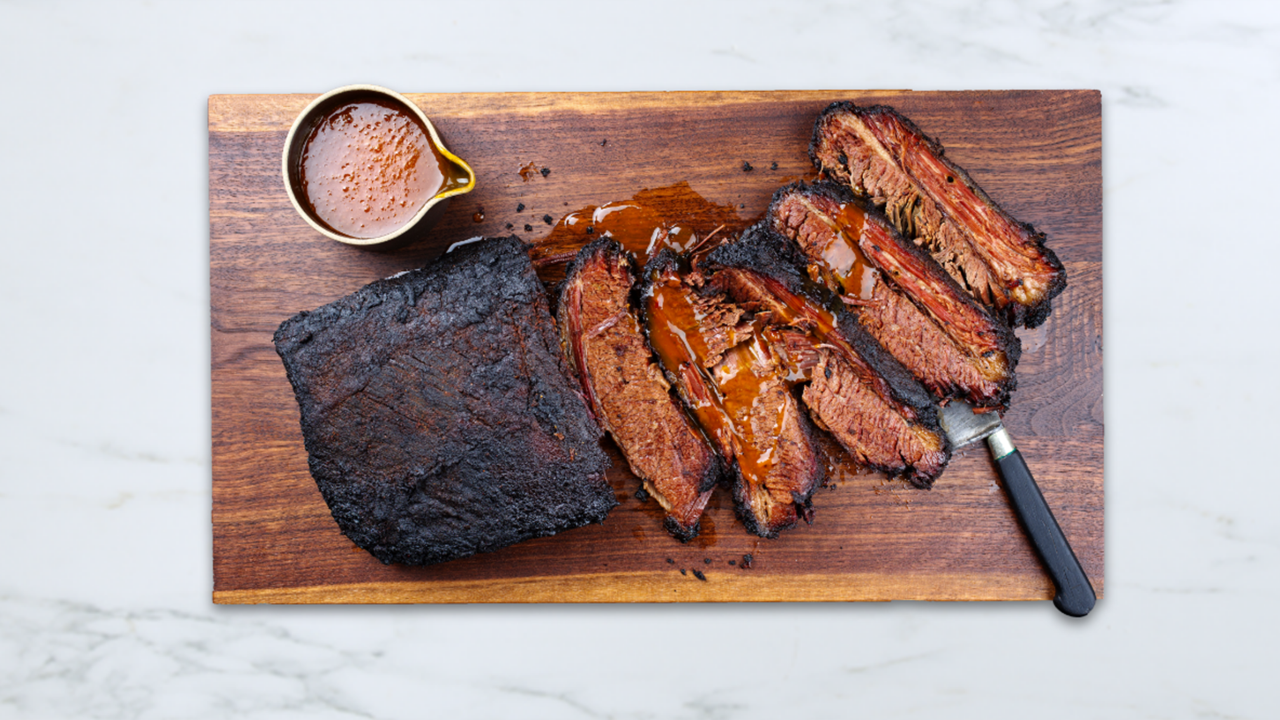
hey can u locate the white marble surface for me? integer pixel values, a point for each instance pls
(105, 568)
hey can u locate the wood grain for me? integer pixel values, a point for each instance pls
(1039, 153)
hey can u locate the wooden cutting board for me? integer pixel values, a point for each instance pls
(1038, 153)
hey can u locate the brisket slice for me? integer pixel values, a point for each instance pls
(899, 294)
(883, 156)
(738, 392)
(628, 393)
(439, 417)
(872, 404)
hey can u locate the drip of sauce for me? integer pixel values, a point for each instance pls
(528, 170)
(741, 377)
(368, 167)
(843, 257)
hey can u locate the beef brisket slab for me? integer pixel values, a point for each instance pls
(439, 417)
(628, 393)
(883, 156)
(856, 390)
(728, 375)
(899, 294)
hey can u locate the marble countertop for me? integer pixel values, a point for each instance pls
(105, 549)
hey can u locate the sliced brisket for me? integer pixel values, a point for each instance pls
(868, 400)
(883, 156)
(630, 396)
(438, 413)
(899, 294)
(730, 378)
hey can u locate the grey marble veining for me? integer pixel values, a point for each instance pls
(105, 563)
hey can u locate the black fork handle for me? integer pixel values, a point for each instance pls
(1075, 595)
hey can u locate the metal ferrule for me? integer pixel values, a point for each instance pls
(1000, 443)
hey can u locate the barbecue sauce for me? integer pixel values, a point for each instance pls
(723, 398)
(842, 256)
(368, 167)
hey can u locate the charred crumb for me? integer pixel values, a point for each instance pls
(591, 229)
(706, 561)
(671, 561)
(545, 171)
(520, 207)
(546, 219)
(510, 226)
(683, 572)
(733, 562)
(742, 206)
(746, 166)
(773, 165)
(604, 142)
(747, 560)
(528, 227)
(642, 495)
(698, 574)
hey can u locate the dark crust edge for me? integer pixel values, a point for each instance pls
(1030, 316)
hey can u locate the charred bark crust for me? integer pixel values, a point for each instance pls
(438, 414)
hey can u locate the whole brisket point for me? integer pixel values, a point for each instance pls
(439, 416)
